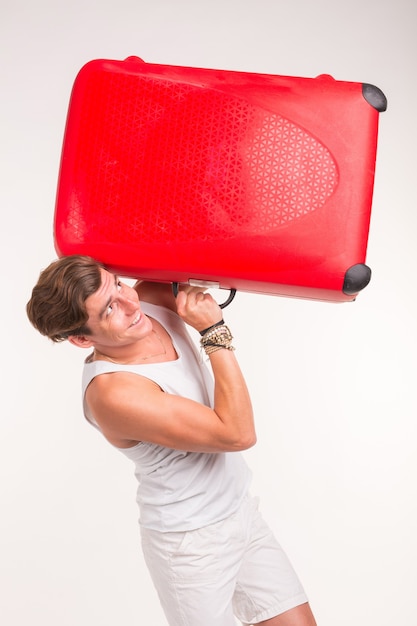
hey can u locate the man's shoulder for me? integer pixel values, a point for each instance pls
(113, 386)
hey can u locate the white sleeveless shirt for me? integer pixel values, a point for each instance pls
(179, 490)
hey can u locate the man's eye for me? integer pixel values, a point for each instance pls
(119, 285)
(109, 309)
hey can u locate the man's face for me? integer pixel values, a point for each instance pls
(114, 313)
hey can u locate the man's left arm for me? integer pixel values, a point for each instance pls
(157, 293)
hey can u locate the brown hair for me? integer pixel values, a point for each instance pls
(57, 306)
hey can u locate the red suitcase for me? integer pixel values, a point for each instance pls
(246, 181)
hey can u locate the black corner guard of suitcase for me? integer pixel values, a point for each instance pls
(356, 279)
(222, 306)
(375, 97)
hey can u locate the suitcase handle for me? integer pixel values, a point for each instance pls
(222, 306)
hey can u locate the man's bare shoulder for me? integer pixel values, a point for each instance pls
(112, 386)
(113, 398)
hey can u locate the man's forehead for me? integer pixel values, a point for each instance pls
(108, 281)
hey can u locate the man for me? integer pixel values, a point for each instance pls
(148, 391)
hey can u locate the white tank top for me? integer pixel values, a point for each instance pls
(179, 490)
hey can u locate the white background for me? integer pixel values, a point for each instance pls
(334, 386)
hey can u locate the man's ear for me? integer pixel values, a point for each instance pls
(81, 341)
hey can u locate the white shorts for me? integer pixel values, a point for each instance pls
(234, 568)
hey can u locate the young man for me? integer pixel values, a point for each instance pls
(147, 390)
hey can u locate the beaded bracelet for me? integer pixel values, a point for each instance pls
(203, 332)
(217, 338)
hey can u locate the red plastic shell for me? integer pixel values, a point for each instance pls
(257, 182)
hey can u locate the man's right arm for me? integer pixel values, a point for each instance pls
(130, 408)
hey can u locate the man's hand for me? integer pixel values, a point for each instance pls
(197, 308)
